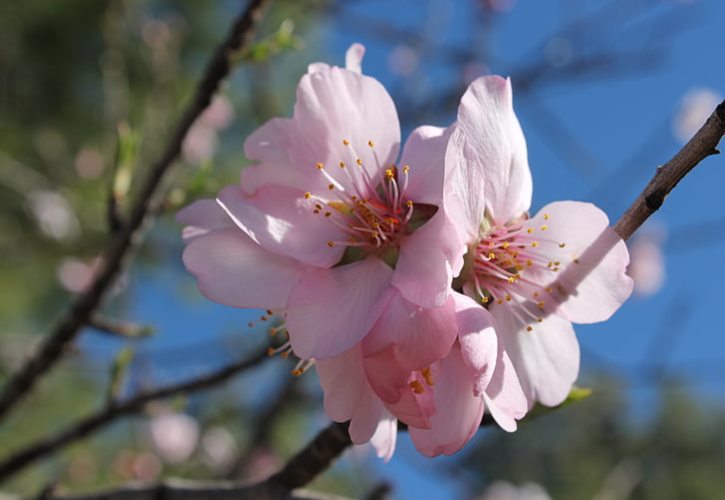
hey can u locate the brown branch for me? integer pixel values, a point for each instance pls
(703, 144)
(299, 471)
(115, 410)
(146, 207)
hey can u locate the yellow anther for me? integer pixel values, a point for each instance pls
(557, 263)
(511, 279)
(529, 262)
(544, 227)
(549, 289)
(296, 372)
(272, 331)
(389, 174)
(417, 387)
(342, 164)
(534, 244)
(485, 299)
(491, 256)
(328, 214)
(270, 351)
(539, 320)
(346, 142)
(540, 304)
(371, 144)
(499, 301)
(330, 244)
(519, 267)
(529, 328)
(515, 255)
(546, 216)
(508, 298)
(359, 162)
(562, 245)
(308, 195)
(330, 187)
(530, 230)
(284, 355)
(536, 295)
(427, 375)
(505, 245)
(319, 165)
(406, 168)
(409, 204)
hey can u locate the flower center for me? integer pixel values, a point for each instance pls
(372, 213)
(511, 265)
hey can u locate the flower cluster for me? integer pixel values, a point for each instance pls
(416, 282)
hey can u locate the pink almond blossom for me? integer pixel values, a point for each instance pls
(534, 275)
(326, 221)
(356, 254)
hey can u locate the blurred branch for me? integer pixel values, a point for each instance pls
(703, 144)
(142, 212)
(299, 471)
(118, 328)
(115, 410)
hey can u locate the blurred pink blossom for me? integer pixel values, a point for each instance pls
(174, 436)
(403, 60)
(54, 214)
(503, 490)
(75, 275)
(647, 266)
(219, 447)
(696, 106)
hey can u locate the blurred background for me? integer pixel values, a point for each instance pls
(605, 91)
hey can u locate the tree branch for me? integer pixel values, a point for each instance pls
(115, 409)
(299, 471)
(703, 144)
(146, 207)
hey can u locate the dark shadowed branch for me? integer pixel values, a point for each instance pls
(117, 409)
(301, 469)
(147, 205)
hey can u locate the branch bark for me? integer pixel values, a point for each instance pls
(146, 207)
(299, 471)
(703, 144)
(115, 410)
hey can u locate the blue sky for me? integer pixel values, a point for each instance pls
(611, 118)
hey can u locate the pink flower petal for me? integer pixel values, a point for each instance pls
(233, 270)
(271, 146)
(282, 221)
(354, 57)
(477, 337)
(593, 261)
(348, 395)
(458, 411)
(420, 336)
(338, 105)
(201, 217)
(392, 385)
(492, 142)
(385, 436)
(333, 309)
(504, 396)
(546, 359)
(424, 270)
(425, 153)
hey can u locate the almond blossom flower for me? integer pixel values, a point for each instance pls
(325, 221)
(356, 254)
(535, 275)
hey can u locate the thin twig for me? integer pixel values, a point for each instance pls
(144, 210)
(117, 328)
(114, 410)
(703, 144)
